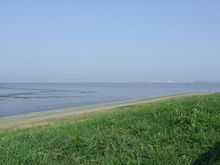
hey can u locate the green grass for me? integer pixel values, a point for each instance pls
(179, 131)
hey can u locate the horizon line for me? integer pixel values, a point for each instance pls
(111, 82)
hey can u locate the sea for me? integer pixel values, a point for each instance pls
(22, 98)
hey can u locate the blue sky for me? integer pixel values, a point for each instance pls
(109, 41)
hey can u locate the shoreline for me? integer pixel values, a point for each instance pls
(47, 117)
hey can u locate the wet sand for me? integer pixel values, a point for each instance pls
(47, 117)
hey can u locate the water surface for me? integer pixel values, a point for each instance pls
(20, 98)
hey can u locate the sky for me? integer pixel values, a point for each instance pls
(109, 41)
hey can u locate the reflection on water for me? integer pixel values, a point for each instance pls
(19, 98)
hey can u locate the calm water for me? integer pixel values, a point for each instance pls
(20, 98)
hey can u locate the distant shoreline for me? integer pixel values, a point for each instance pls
(52, 115)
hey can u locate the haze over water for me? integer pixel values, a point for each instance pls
(21, 98)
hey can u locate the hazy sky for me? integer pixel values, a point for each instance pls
(109, 40)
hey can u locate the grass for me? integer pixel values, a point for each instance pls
(178, 131)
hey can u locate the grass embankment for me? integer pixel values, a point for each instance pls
(177, 131)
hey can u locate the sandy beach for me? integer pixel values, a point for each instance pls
(47, 117)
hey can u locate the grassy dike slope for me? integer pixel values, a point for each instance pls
(176, 131)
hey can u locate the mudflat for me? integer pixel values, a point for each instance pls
(47, 117)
